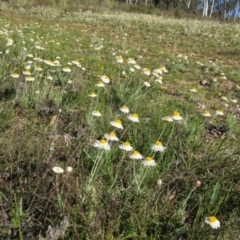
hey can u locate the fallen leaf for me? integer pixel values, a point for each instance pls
(52, 120)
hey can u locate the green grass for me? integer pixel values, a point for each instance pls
(48, 122)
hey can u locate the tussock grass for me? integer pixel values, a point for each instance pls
(52, 60)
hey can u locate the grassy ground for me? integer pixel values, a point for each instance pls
(52, 60)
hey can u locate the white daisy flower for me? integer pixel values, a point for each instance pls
(131, 61)
(93, 95)
(102, 144)
(111, 136)
(224, 98)
(126, 146)
(167, 119)
(96, 113)
(57, 169)
(147, 71)
(117, 123)
(219, 113)
(213, 222)
(105, 79)
(206, 113)
(176, 116)
(66, 69)
(69, 169)
(15, 75)
(30, 79)
(149, 161)
(193, 90)
(124, 109)
(119, 59)
(158, 147)
(100, 84)
(133, 117)
(135, 155)
(147, 84)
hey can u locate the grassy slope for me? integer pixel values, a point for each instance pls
(109, 196)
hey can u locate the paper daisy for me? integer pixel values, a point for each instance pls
(57, 169)
(147, 84)
(102, 144)
(219, 113)
(124, 109)
(69, 169)
(100, 84)
(126, 146)
(38, 68)
(111, 136)
(133, 117)
(56, 63)
(50, 78)
(149, 161)
(27, 72)
(93, 95)
(138, 67)
(157, 71)
(30, 79)
(15, 75)
(119, 59)
(96, 113)
(117, 123)
(213, 222)
(135, 155)
(164, 69)
(176, 116)
(77, 63)
(193, 90)
(224, 98)
(158, 147)
(147, 71)
(234, 100)
(131, 61)
(49, 63)
(159, 80)
(66, 69)
(105, 79)
(206, 113)
(167, 119)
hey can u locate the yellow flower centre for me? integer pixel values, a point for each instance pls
(176, 114)
(149, 159)
(125, 107)
(212, 219)
(207, 112)
(135, 152)
(103, 141)
(158, 143)
(127, 144)
(112, 134)
(135, 115)
(117, 121)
